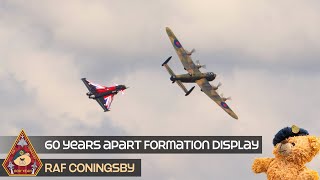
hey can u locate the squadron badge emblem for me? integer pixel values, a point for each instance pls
(22, 159)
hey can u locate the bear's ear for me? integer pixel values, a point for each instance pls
(314, 143)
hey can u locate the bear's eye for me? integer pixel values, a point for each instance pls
(293, 144)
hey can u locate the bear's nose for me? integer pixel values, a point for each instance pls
(284, 141)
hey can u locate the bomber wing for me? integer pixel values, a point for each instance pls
(209, 91)
(184, 56)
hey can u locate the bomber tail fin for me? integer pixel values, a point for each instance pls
(166, 61)
(190, 91)
(165, 64)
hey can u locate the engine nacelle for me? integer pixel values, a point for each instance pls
(198, 65)
(92, 96)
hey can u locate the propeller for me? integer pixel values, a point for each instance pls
(190, 53)
(225, 99)
(219, 84)
(199, 65)
(216, 87)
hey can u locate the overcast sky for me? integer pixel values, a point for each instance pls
(266, 54)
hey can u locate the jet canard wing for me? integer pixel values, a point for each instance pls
(209, 91)
(105, 102)
(184, 56)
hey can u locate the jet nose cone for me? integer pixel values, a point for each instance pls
(168, 30)
(124, 87)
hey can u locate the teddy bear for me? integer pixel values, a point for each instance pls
(293, 148)
(22, 158)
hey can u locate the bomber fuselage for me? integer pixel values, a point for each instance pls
(187, 78)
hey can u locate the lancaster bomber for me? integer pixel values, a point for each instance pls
(194, 75)
(102, 94)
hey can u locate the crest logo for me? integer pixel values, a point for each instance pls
(177, 43)
(22, 159)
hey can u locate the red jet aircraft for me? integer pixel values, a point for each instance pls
(102, 94)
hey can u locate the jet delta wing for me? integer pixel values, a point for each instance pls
(105, 102)
(89, 86)
(101, 102)
(93, 87)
